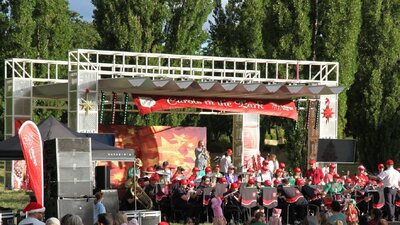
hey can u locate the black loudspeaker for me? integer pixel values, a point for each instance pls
(82, 207)
(394, 223)
(145, 217)
(102, 177)
(67, 167)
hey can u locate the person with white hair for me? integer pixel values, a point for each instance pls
(53, 221)
(35, 214)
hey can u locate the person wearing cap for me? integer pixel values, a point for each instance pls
(361, 178)
(264, 175)
(35, 214)
(315, 173)
(390, 178)
(247, 175)
(181, 197)
(335, 189)
(195, 175)
(278, 175)
(351, 212)
(291, 196)
(381, 168)
(296, 175)
(231, 177)
(226, 161)
(329, 175)
(232, 200)
(202, 157)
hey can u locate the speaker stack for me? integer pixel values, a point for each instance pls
(68, 178)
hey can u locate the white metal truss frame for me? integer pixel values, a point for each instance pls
(111, 64)
(117, 64)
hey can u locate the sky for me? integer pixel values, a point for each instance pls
(83, 7)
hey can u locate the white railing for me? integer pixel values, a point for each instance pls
(110, 64)
(36, 69)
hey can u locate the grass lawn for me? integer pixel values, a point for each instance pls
(11, 199)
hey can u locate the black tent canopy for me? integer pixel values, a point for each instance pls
(51, 128)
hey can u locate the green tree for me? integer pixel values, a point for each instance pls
(374, 117)
(288, 35)
(84, 33)
(337, 37)
(287, 30)
(184, 31)
(131, 25)
(52, 37)
(23, 26)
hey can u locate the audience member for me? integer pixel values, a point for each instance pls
(53, 221)
(98, 206)
(120, 218)
(105, 219)
(336, 214)
(35, 214)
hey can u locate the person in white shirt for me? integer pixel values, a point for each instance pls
(390, 178)
(226, 161)
(35, 214)
(273, 163)
(264, 175)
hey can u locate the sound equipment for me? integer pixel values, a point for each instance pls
(82, 207)
(394, 223)
(110, 200)
(7, 217)
(67, 167)
(102, 177)
(145, 217)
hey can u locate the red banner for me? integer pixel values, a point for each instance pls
(283, 108)
(31, 144)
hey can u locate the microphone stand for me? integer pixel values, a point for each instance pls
(134, 183)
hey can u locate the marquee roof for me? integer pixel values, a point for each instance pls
(194, 88)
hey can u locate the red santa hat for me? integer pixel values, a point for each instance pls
(33, 207)
(276, 212)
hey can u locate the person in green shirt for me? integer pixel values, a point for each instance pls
(335, 187)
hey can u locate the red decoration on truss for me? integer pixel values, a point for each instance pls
(327, 112)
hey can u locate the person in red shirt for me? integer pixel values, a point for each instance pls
(314, 173)
(195, 174)
(361, 179)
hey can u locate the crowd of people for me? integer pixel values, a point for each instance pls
(265, 192)
(220, 193)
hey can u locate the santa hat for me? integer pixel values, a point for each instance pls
(276, 212)
(33, 207)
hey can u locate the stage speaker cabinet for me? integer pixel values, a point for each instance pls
(110, 200)
(145, 217)
(82, 207)
(68, 167)
(102, 177)
(7, 217)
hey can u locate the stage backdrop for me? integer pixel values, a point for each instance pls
(153, 145)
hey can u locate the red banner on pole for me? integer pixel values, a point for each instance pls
(31, 144)
(280, 108)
